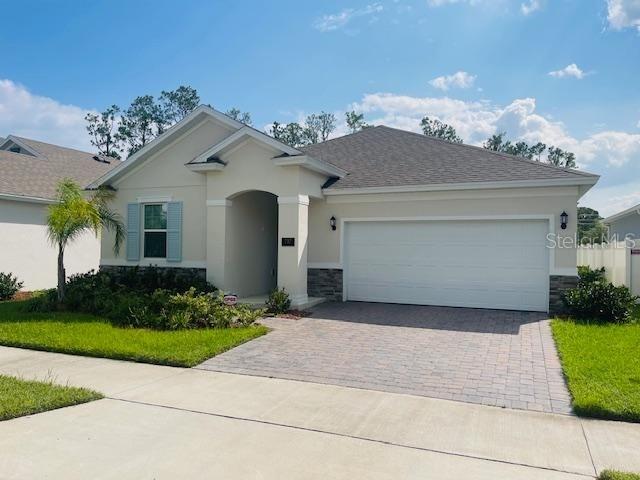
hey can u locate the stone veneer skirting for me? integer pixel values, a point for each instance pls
(558, 284)
(180, 272)
(325, 283)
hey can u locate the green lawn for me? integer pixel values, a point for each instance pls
(613, 475)
(602, 366)
(21, 397)
(82, 334)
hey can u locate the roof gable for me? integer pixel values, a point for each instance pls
(182, 127)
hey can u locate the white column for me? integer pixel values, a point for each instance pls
(216, 241)
(293, 223)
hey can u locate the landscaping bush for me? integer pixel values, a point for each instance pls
(128, 301)
(42, 301)
(600, 301)
(150, 279)
(278, 301)
(163, 310)
(9, 286)
(588, 275)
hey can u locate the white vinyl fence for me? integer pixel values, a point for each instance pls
(621, 262)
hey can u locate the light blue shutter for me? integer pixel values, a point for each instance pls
(174, 232)
(133, 231)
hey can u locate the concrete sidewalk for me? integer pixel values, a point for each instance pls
(162, 422)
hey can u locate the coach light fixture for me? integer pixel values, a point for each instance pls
(332, 223)
(563, 220)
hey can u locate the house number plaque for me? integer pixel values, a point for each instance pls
(288, 242)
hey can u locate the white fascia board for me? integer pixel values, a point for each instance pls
(19, 142)
(140, 154)
(624, 213)
(24, 198)
(464, 186)
(310, 163)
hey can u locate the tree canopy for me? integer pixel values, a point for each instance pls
(435, 128)
(115, 131)
(555, 156)
(316, 128)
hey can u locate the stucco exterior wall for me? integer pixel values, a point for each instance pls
(324, 244)
(26, 252)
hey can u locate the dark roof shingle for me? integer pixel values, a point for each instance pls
(387, 157)
(29, 176)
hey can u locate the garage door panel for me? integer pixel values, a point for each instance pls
(484, 264)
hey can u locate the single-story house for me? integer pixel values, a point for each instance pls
(382, 215)
(625, 224)
(29, 173)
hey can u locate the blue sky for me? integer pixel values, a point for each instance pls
(481, 65)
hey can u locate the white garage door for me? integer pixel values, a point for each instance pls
(482, 264)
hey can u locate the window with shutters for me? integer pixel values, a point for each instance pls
(155, 230)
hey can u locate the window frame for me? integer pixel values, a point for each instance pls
(165, 230)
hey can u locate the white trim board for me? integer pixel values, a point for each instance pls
(23, 198)
(586, 181)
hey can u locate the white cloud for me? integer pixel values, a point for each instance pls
(623, 14)
(613, 154)
(458, 79)
(530, 6)
(569, 71)
(335, 21)
(25, 114)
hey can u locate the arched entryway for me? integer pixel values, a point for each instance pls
(252, 243)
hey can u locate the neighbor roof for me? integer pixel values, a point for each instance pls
(387, 157)
(36, 177)
(617, 216)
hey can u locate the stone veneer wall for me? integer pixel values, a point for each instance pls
(179, 271)
(325, 282)
(557, 285)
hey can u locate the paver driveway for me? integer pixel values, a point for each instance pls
(492, 357)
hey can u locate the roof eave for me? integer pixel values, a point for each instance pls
(587, 182)
(312, 164)
(625, 213)
(26, 198)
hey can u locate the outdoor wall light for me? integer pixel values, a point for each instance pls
(563, 220)
(332, 223)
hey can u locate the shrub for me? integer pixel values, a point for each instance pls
(588, 275)
(278, 301)
(9, 286)
(128, 302)
(150, 279)
(42, 301)
(600, 301)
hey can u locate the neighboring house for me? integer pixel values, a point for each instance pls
(624, 223)
(29, 173)
(382, 215)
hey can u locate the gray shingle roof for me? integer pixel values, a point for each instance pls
(30, 176)
(387, 157)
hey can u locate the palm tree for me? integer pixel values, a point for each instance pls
(73, 214)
